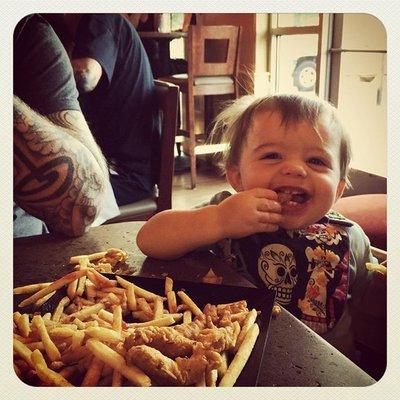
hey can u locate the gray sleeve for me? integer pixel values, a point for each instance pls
(43, 76)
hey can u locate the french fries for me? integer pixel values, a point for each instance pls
(85, 340)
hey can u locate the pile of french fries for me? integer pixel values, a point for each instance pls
(83, 341)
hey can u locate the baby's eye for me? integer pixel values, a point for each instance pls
(271, 156)
(316, 161)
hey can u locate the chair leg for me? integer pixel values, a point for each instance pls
(190, 114)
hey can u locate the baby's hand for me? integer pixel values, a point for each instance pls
(248, 212)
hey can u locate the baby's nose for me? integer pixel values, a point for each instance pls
(294, 168)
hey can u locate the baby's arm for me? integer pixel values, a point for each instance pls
(171, 234)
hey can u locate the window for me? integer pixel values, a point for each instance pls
(295, 52)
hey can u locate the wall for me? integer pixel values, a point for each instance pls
(361, 98)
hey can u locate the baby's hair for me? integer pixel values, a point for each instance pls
(232, 125)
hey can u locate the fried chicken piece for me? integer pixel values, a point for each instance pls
(190, 330)
(156, 365)
(219, 339)
(165, 339)
(193, 369)
(165, 371)
(234, 307)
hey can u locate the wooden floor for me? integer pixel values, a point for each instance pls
(209, 182)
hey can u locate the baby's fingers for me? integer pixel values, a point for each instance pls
(270, 218)
(267, 205)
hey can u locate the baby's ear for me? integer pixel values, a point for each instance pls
(340, 189)
(234, 178)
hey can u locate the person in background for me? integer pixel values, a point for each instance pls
(117, 97)
(60, 174)
(288, 161)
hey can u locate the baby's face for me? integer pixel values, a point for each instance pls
(300, 166)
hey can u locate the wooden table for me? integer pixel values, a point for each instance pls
(156, 45)
(294, 355)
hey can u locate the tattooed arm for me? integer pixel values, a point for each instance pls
(59, 173)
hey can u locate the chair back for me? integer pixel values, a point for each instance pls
(167, 95)
(213, 50)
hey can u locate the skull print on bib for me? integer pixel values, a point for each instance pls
(277, 268)
(307, 268)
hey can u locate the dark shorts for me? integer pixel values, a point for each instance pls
(127, 191)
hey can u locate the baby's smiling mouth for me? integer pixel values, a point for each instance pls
(291, 196)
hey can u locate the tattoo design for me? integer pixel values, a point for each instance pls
(46, 175)
(55, 176)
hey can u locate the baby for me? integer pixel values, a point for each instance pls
(288, 161)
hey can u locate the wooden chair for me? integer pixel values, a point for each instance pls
(212, 54)
(167, 96)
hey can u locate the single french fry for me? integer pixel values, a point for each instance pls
(111, 357)
(51, 377)
(149, 296)
(28, 289)
(81, 285)
(38, 359)
(100, 322)
(187, 316)
(50, 348)
(211, 377)
(112, 298)
(248, 322)
(46, 317)
(16, 316)
(117, 319)
(93, 373)
(71, 288)
(190, 303)
(241, 357)
(169, 284)
(171, 300)
(60, 308)
(98, 279)
(106, 315)
(61, 332)
(23, 351)
(158, 308)
(131, 297)
(90, 257)
(24, 325)
(85, 313)
(52, 287)
(38, 303)
(77, 339)
(104, 334)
